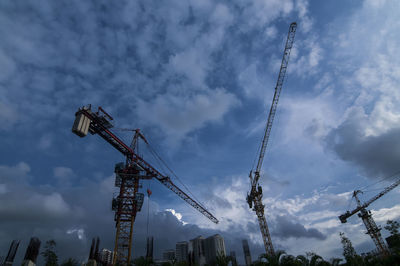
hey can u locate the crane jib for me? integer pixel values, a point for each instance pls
(97, 127)
(275, 100)
(254, 198)
(344, 216)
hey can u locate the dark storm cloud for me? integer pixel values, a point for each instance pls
(286, 227)
(378, 156)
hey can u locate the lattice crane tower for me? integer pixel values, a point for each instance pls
(128, 174)
(255, 195)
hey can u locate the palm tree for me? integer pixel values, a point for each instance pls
(303, 259)
(274, 259)
(290, 260)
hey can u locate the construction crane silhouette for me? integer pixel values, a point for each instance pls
(129, 200)
(372, 229)
(255, 195)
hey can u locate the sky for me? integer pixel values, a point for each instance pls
(197, 77)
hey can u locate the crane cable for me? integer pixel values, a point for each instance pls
(154, 153)
(160, 160)
(276, 118)
(381, 180)
(148, 209)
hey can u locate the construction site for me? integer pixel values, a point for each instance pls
(144, 213)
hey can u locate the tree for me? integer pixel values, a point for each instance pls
(70, 262)
(49, 254)
(349, 253)
(335, 261)
(222, 259)
(142, 261)
(273, 259)
(290, 260)
(303, 260)
(316, 260)
(182, 263)
(392, 227)
(394, 239)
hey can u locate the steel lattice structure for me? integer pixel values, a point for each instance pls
(129, 201)
(255, 195)
(372, 229)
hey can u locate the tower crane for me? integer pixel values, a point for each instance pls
(255, 195)
(129, 200)
(372, 229)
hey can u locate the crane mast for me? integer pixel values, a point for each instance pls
(372, 229)
(128, 174)
(255, 195)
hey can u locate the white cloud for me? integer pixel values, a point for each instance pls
(271, 32)
(179, 115)
(193, 63)
(64, 176)
(320, 215)
(375, 3)
(7, 64)
(306, 56)
(62, 172)
(15, 174)
(3, 189)
(221, 15)
(261, 12)
(45, 141)
(53, 203)
(331, 223)
(177, 215)
(311, 118)
(8, 116)
(80, 233)
(384, 214)
(256, 85)
(368, 79)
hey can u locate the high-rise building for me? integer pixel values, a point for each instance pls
(246, 251)
(149, 248)
(11, 253)
(181, 251)
(233, 258)
(169, 255)
(106, 257)
(214, 246)
(196, 251)
(32, 252)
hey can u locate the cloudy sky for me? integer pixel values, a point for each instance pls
(198, 77)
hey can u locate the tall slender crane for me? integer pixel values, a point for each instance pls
(255, 195)
(128, 174)
(372, 229)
